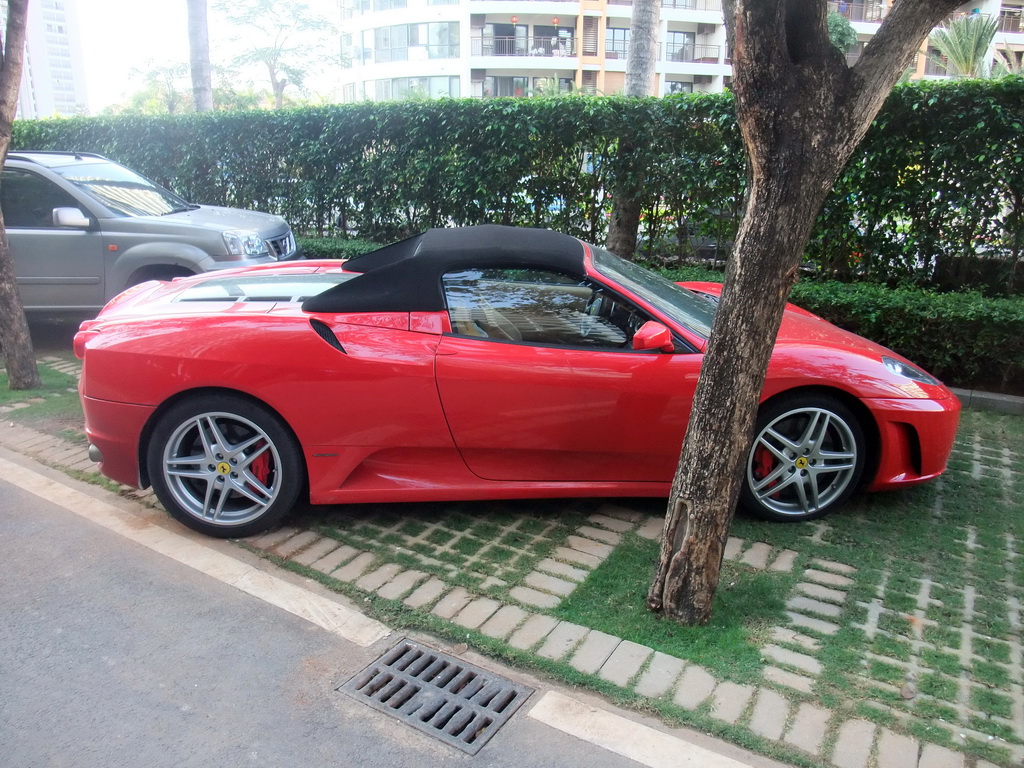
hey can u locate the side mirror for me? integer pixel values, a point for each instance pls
(71, 218)
(653, 335)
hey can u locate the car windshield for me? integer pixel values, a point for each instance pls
(275, 288)
(124, 192)
(685, 307)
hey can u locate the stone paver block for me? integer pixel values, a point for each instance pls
(534, 629)
(315, 551)
(788, 679)
(934, 756)
(333, 559)
(272, 539)
(821, 592)
(563, 638)
(553, 584)
(771, 710)
(452, 603)
(611, 523)
(290, 546)
(808, 729)
(598, 549)
(829, 579)
(729, 701)
(620, 512)
(570, 572)
(651, 529)
(787, 635)
(853, 745)
(757, 555)
(356, 568)
(593, 651)
(659, 676)
(801, 661)
(807, 605)
(376, 579)
(809, 622)
(784, 562)
(401, 584)
(575, 556)
(830, 565)
(426, 593)
(733, 546)
(608, 537)
(501, 624)
(896, 750)
(477, 612)
(533, 597)
(694, 687)
(626, 661)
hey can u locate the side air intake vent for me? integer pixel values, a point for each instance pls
(325, 333)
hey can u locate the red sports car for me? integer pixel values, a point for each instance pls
(476, 363)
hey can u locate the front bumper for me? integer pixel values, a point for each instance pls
(114, 431)
(916, 437)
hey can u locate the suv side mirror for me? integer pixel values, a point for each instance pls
(71, 217)
(653, 335)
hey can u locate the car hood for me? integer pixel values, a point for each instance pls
(216, 219)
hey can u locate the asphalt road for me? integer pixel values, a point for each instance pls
(114, 655)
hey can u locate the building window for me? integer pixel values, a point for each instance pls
(413, 42)
(616, 43)
(680, 46)
(505, 86)
(407, 87)
(388, 5)
(678, 86)
(549, 86)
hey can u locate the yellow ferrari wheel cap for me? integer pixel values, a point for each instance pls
(224, 468)
(801, 463)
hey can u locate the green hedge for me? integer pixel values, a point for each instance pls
(935, 191)
(965, 339)
(334, 247)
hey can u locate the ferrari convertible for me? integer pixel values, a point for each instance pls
(473, 363)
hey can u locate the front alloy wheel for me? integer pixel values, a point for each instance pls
(807, 458)
(224, 466)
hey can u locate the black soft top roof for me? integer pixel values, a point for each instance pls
(406, 276)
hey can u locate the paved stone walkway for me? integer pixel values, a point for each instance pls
(781, 709)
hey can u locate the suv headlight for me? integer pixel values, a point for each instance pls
(243, 243)
(911, 372)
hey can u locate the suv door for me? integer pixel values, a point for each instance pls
(56, 267)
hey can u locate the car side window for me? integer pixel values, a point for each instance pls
(538, 306)
(28, 199)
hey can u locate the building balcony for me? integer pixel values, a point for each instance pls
(683, 5)
(869, 12)
(535, 47)
(703, 54)
(1009, 21)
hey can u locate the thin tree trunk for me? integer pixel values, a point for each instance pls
(199, 47)
(15, 340)
(802, 112)
(640, 62)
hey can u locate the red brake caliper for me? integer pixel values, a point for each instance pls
(764, 462)
(260, 467)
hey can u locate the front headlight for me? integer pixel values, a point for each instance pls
(908, 371)
(243, 243)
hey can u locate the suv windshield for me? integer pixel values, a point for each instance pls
(685, 307)
(124, 192)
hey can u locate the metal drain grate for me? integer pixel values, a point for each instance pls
(440, 695)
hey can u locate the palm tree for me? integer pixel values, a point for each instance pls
(199, 47)
(964, 45)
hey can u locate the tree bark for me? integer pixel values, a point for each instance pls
(640, 61)
(802, 112)
(199, 48)
(15, 340)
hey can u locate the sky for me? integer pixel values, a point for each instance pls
(121, 35)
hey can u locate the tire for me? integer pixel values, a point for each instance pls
(224, 466)
(806, 460)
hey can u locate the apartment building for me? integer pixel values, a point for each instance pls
(52, 82)
(394, 49)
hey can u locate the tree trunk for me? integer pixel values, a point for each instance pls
(802, 112)
(199, 48)
(15, 340)
(640, 61)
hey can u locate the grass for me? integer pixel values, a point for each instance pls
(747, 604)
(53, 407)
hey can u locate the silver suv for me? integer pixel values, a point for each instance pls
(83, 228)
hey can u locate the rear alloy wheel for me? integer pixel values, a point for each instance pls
(807, 458)
(224, 466)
